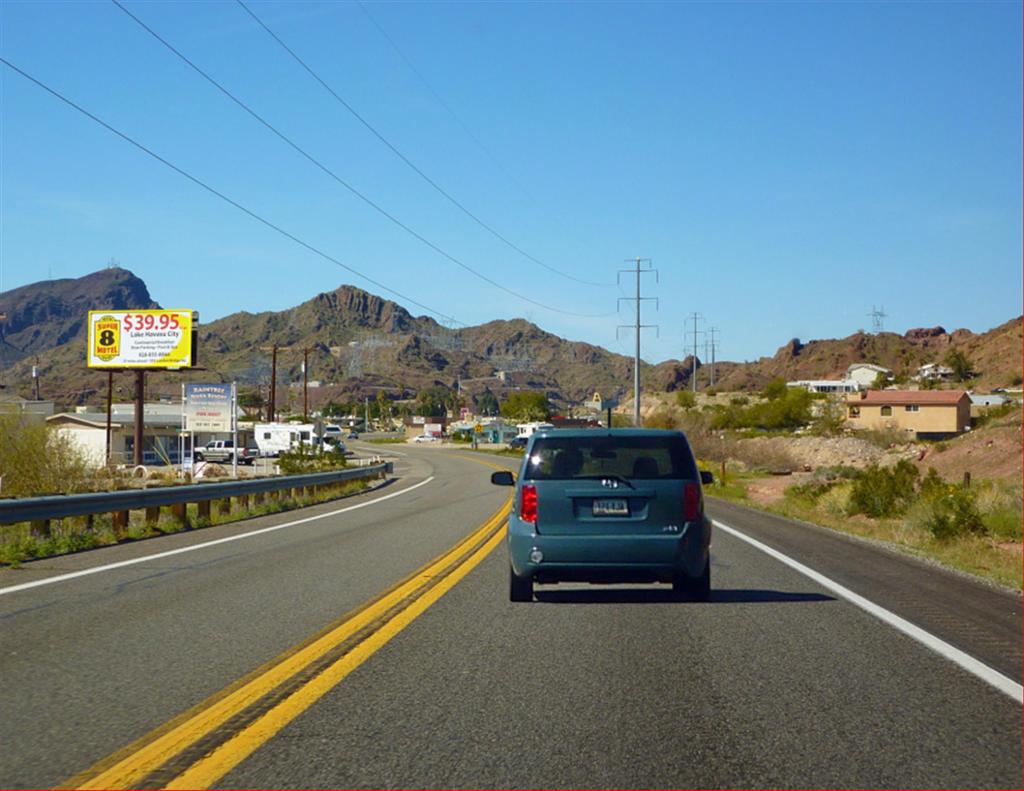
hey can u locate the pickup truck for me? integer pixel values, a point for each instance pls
(223, 450)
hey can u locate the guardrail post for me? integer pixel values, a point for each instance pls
(203, 509)
(243, 502)
(180, 513)
(120, 519)
(153, 515)
(90, 522)
(40, 528)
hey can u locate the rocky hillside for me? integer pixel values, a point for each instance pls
(43, 316)
(359, 343)
(995, 356)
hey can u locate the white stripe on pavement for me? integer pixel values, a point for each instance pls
(992, 677)
(121, 564)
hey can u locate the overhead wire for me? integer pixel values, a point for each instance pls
(368, 201)
(224, 197)
(409, 162)
(441, 101)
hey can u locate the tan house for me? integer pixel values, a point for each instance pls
(928, 414)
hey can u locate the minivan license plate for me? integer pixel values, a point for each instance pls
(611, 508)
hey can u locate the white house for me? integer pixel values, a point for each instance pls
(934, 372)
(865, 374)
(827, 385)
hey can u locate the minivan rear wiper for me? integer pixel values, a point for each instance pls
(606, 476)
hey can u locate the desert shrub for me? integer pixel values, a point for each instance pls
(811, 491)
(884, 492)
(1000, 509)
(36, 459)
(788, 409)
(761, 455)
(994, 413)
(305, 458)
(836, 501)
(886, 438)
(739, 400)
(686, 399)
(663, 418)
(837, 472)
(953, 513)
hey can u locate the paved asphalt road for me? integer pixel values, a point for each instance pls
(777, 681)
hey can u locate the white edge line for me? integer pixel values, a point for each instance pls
(992, 677)
(121, 564)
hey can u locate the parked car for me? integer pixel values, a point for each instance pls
(222, 451)
(620, 505)
(518, 442)
(426, 438)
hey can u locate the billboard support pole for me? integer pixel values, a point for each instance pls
(140, 396)
(234, 429)
(110, 398)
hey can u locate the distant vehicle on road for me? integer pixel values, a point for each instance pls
(620, 505)
(223, 451)
(332, 431)
(353, 435)
(518, 442)
(426, 438)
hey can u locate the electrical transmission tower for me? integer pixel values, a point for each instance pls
(693, 374)
(637, 326)
(878, 316)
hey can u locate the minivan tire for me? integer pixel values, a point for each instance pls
(694, 588)
(519, 588)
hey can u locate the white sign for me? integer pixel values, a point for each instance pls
(208, 407)
(140, 339)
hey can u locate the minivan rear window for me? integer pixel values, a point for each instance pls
(643, 458)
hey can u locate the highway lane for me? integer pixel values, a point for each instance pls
(92, 663)
(774, 683)
(771, 684)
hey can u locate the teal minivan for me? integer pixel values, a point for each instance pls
(599, 505)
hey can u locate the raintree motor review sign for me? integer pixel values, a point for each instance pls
(209, 407)
(140, 339)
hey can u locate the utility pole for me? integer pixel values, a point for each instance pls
(35, 377)
(305, 385)
(272, 405)
(712, 331)
(693, 375)
(637, 326)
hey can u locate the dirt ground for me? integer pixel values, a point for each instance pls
(991, 452)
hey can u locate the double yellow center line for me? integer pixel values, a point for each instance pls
(202, 745)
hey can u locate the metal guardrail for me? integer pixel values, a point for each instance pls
(32, 509)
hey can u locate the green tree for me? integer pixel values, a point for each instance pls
(775, 389)
(250, 401)
(487, 403)
(432, 401)
(686, 399)
(526, 405)
(957, 360)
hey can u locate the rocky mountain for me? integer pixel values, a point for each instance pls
(358, 343)
(44, 316)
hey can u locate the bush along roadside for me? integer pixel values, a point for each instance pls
(19, 543)
(973, 527)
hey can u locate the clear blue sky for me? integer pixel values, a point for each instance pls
(786, 166)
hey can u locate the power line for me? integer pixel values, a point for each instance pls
(221, 195)
(409, 162)
(340, 180)
(441, 101)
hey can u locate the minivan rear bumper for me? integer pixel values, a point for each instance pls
(615, 558)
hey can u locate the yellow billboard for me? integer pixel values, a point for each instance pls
(140, 339)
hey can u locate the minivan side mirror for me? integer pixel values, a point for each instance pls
(706, 477)
(503, 478)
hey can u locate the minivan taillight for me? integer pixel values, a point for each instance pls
(691, 502)
(528, 504)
